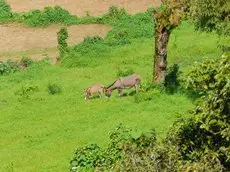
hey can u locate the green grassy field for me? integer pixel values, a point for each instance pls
(40, 133)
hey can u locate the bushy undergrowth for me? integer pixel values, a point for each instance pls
(54, 88)
(93, 157)
(7, 67)
(90, 52)
(48, 16)
(10, 66)
(5, 11)
(43, 18)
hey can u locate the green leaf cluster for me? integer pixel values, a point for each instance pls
(206, 132)
(211, 15)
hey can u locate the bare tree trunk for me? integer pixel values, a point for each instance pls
(160, 58)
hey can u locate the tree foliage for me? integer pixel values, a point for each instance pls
(211, 15)
(206, 133)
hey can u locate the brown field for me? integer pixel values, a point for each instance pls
(18, 40)
(80, 7)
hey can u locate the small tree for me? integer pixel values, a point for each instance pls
(167, 17)
(62, 43)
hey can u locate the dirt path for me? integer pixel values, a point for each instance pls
(80, 7)
(18, 40)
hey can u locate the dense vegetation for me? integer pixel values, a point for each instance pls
(43, 114)
(210, 15)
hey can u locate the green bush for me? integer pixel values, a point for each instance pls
(127, 27)
(206, 130)
(8, 67)
(90, 52)
(38, 18)
(25, 62)
(93, 40)
(92, 157)
(54, 88)
(62, 41)
(114, 15)
(5, 10)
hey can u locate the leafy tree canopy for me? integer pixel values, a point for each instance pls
(210, 15)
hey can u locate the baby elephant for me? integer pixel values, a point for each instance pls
(97, 88)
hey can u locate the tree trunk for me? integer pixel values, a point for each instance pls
(160, 58)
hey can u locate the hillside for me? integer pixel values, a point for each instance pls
(39, 131)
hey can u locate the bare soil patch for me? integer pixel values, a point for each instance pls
(80, 7)
(17, 38)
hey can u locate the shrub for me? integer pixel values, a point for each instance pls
(8, 67)
(114, 15)
(206, 131)
(54, 89)
(90, 52)
(5, 10)
(93, 157)
(93, 40)
(38, 18)
(25, 62)
(62, 41)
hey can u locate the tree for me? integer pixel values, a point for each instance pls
(210, 15)
(167, 17)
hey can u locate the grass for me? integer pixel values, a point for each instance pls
(40, 131)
